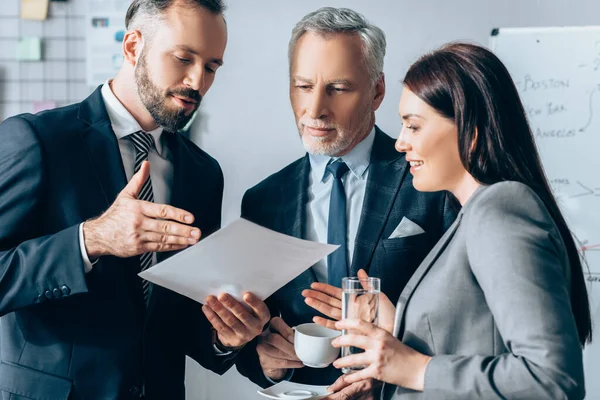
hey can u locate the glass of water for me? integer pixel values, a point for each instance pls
(360, 300)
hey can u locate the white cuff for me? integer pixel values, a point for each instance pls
(87, 264)
(221, 353)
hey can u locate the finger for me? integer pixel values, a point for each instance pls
(346, 393)
(354, 360)
(358, 326)
(153, 237)
(360, 341)
(277, 348)
(278, 325)
(271, 358)
(153, 247)
(249, 321)
(327, 323)
(353, 391)
(226, 316)
(329, 290)
(339, 384)
(362, 275)
(216, 321)
(280, 343)
(171, 228)
(332, 312)
(277, 363)
(258, 306)
(360, 375)
(134, 186)
(167, 212)
(325, 298)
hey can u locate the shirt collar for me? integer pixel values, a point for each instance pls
(358, 160)
(123, 123)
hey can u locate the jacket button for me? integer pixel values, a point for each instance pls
(65, 290)
(57, 293)
(135, 392)
(49, 295)
(41, 298)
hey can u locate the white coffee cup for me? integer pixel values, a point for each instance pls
(312, 343)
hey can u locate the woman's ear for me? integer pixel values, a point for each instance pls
(474, 142)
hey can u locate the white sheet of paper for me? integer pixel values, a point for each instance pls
(242, 257)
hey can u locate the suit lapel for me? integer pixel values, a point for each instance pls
(386, 173)
(291, 218)
(101, 147)
(102, 150)
(420, 273)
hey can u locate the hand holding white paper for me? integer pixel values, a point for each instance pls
(242, 257)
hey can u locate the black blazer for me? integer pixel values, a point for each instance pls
(279, 203)
(67, 334)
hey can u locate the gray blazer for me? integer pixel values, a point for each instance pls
(491, 304)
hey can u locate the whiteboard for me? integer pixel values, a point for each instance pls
(557, 73)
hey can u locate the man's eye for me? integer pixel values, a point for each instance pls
(182, 60)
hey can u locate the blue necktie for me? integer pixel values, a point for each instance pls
(337, 262)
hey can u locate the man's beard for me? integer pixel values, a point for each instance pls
(155, 101)
(346, 136)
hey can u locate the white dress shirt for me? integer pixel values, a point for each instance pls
(319, 192)
(161, 167)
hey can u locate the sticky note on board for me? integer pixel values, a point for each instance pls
(34, 9)
(29, 49)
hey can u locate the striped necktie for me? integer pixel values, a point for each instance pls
(143, 142)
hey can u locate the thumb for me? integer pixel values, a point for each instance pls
(362, 274)
(136, 183)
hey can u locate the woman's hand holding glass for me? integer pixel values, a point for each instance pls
(385, 358)
(327, 300)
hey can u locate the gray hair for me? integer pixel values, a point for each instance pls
(330, 20)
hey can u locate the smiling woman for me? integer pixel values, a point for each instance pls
(499, 307)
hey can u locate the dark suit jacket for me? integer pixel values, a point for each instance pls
(70, 335)
(279, 203)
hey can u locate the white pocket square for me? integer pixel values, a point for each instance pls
(406, 228)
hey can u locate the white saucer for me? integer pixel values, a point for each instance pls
(317, 365)
(294, 391)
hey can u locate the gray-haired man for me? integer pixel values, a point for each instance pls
(351, 189)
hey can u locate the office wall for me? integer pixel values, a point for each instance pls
(246, 121)
(60, 75)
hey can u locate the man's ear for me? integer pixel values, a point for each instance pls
(133, 43)
(379, 92)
